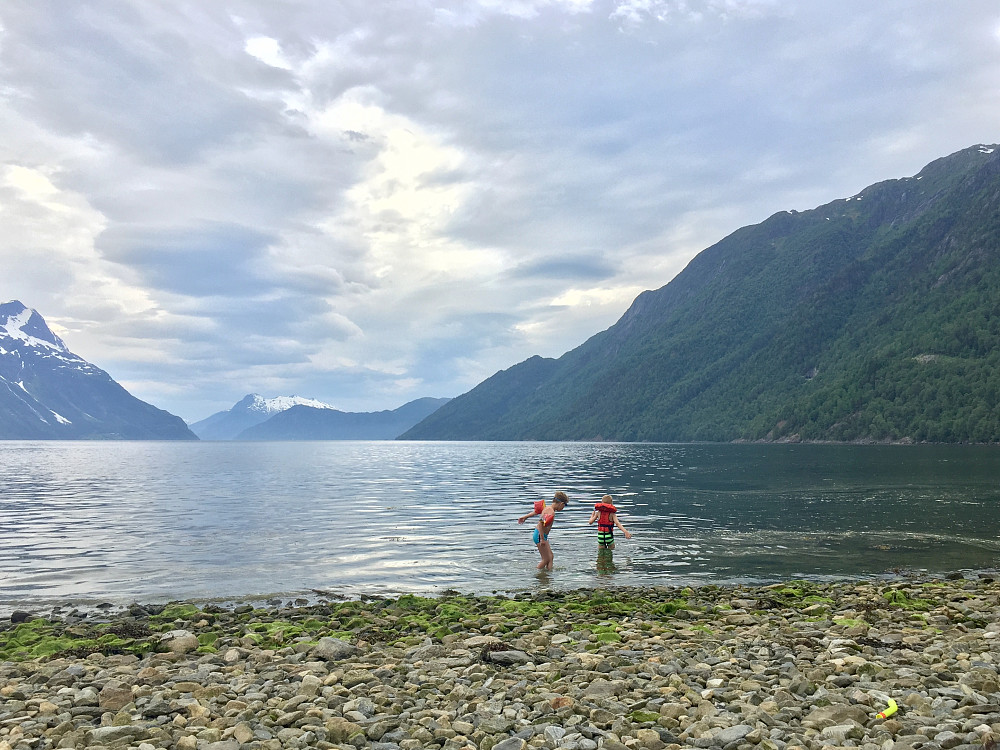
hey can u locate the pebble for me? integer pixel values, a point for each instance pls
(793, 666)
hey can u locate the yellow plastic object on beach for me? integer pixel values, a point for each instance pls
(889, 711)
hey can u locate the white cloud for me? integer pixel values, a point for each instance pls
(33, 185)
(48, 248)
(632, 13)
(268, 51)
(619, 297)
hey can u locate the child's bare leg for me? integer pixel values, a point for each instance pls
(546, 552)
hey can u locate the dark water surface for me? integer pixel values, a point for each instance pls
(152, 521)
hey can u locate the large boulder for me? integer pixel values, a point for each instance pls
(180, 641)
(333, 649)
(834, 715)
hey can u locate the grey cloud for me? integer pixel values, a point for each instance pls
(568, 268)
(112, 71)
(436, 360)
(210, 260)
(240, 319)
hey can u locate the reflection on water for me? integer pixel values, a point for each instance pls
(606, 564)
(142, 521)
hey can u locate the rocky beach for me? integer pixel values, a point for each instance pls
(790, 666)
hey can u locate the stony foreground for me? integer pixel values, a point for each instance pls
(796, 665)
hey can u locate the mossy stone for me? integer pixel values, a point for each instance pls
(644, 716)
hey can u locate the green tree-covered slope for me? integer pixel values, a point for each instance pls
(875, 317)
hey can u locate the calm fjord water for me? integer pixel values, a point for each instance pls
(152, 521)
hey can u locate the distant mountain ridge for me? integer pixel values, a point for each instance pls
(251, 410)
(872, 318)
(47, 392)
(293, 418)
(309, 423)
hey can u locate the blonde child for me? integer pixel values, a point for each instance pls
(606, 515)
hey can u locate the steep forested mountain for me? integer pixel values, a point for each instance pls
(875, 317)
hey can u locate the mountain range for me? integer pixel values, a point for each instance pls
(871, 318)
(251, 410)
(292, 418)
(47, 392)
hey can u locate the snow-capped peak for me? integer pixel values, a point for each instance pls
(27, 326)
(256, 402)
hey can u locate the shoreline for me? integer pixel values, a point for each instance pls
(110, 607)
(786, 666)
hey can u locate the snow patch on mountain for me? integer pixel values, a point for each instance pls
(21, 326)
(282, 403)
(24, 334)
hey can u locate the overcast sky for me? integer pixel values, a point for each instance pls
(369, 202)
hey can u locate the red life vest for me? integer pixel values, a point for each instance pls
(547, 513)
(604, 522)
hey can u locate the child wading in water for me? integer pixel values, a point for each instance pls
(606, 515)
(547, 515)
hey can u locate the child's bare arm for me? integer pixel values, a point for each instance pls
(525, 517)
(593, 517)
(619, 525)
